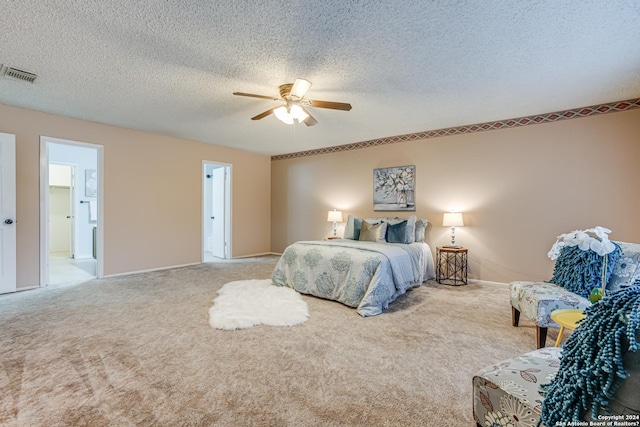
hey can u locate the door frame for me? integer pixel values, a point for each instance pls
(44, 204)
(227, 207)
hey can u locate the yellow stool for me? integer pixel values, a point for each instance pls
(566, 318)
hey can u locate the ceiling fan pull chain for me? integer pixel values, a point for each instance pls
(293, 137)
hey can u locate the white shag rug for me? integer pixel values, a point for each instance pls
(246, 303)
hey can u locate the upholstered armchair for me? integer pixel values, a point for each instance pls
(559, 385)
(511, 389)
(536, 300)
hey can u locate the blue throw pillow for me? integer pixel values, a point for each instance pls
(580, 271)
(357, 226)
(397, 233)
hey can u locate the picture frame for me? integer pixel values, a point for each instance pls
(394, 188)
(90, 183)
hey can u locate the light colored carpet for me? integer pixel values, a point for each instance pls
(246, 303)
(138, 350)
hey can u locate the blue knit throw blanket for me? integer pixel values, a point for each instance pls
(591, 367)
(580, 271)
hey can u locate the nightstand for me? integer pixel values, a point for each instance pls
(451, 265)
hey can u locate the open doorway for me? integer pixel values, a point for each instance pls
(216, 203)
(70, 206)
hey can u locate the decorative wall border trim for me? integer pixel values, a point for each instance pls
(630, 104)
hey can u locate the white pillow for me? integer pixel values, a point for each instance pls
(411, 229)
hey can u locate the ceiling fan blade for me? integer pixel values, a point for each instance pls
(310, 120)
(264, 114)
(300, 88)
(253, 95)
(328, 104)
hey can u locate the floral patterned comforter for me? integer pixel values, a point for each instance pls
(365, 275)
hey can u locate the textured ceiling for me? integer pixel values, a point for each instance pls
(170, 66)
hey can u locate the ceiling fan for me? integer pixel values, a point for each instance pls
(295, 105)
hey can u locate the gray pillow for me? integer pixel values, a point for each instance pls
(421, 227)
(373, 233)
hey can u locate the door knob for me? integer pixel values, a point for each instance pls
(213, 217)
(8, 221)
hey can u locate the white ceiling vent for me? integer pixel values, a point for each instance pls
(17, 74)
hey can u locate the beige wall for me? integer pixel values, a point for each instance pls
(152, 194)
(518, 189)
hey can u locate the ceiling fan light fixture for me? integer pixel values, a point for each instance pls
(283, 115)
(298, 113)
(291, 113)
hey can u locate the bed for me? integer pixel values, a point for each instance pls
(366, 275)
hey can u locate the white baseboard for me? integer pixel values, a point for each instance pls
(486, 282)
(28, 288)
(256, 255)
(128, 273)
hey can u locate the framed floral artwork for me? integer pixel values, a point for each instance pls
(393, 189)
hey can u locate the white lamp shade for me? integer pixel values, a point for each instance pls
(452, 219)
(334, 216)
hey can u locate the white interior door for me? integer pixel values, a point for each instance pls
(7, 213)
(218, 197)
(59, 219)
(61, 215)
(216, 204)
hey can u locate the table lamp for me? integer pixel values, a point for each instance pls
(453, 220)
(335, 217)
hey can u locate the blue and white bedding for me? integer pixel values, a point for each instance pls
(365, 275)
